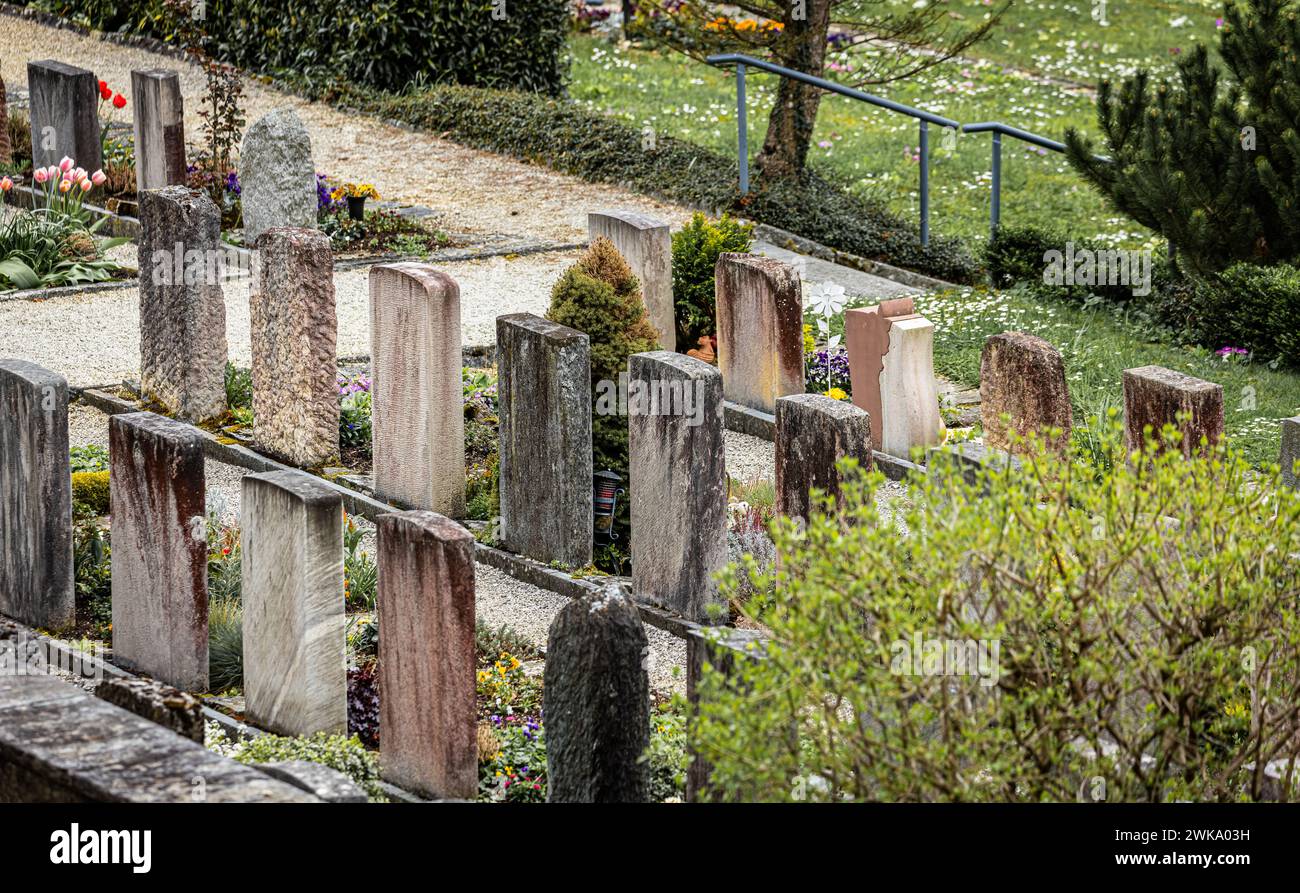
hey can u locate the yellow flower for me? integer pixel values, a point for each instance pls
(837, 394)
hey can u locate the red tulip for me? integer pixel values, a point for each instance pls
(119, 101)
(104, 91)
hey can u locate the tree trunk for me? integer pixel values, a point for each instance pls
(790, 126)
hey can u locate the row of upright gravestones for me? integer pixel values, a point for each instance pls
(294, 621)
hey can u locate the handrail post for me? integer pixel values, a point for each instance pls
(925, 182)
(743, 127)
(995, 209)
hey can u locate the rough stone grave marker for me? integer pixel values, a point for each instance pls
(891, 366)
(428, 720)
(182, 309)
(597, 701)
(35, 496)
(725, 649)
(1154, 395)
(760, 330)
(158, 114)
(295, 628)
(276, 176)
(160, 548)
(64, 110)
(1290, 451)
(294, 334)
(417, 413)
(678, 482)
(544, 394)
(1023, 376)
(647, 246)
(813, 432)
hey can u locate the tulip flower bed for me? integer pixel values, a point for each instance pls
(54, 243)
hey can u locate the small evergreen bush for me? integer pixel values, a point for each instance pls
(90, 493)
(695, 256)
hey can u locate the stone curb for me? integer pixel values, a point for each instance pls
(357, 503)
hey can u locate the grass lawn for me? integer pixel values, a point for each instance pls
(1097, 345)
(874, 150)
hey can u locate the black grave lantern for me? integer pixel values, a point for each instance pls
(606, 502)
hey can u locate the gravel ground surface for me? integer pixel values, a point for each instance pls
(474, 191)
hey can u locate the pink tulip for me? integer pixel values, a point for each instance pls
(98, 178)
(65, 185)
(6, 184)
(66, 164)
(79, 174)
(86, 186)
(40, 175)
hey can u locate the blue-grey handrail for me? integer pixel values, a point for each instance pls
(997, 128)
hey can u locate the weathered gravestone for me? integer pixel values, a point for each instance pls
(294, 333)
(158, 114)
(64, 109)
(295, 628)
(428, 721)
(760, 330)
(724, 650)
(678, 482)
(417, 397)
(891, 365)
(1290, 451)
(647, 246)
(596, 699)
(160, 549)
(276, 177)
(35, 496)
(1023, 377)
(182, 309)
(544, 396)
(813, 432)
(1155, 396)
(165, 705)
(6, 149)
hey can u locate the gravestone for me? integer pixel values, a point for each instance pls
(544, 397)
(295, 628)
(1290, 451)
(813, 432)
(678, 483)
(160, 549)
(760, 330)
(891, 366)
(1023, 377)
(725, 650)
(64, 110)
(6, 149)
(182, 309)
(158, 114)
(165, 705)
(428, 721)
(647, 246)
(1154, 396)
(277, 179)
(596, 699)
(417, 397)
(36, 582)
(294, 332)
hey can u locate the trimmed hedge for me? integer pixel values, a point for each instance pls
(386, 44)
(567, 137)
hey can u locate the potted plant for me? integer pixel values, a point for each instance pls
(356, 194)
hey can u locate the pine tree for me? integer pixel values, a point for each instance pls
(1211, 159)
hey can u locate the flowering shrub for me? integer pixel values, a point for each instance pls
(504, 689)
(354, 413)
(354, 190)
(512, 760)
(360, 575)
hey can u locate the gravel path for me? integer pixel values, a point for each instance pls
(473, 191)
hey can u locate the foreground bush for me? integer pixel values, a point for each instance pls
(1146, 616)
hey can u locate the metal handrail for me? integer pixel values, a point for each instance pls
(997, 128)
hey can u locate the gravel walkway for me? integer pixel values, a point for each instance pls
(473, 191)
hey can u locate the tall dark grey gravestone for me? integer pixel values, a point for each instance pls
(813, 432)
(182, 309)
(544, 389)
(597, 701)
(158, 113)
(678, 482)
(295, 629)
(160, 548)
(35, 496)
(64, 114)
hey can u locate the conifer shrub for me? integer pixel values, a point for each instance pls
(695, 256)
(600, 297)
